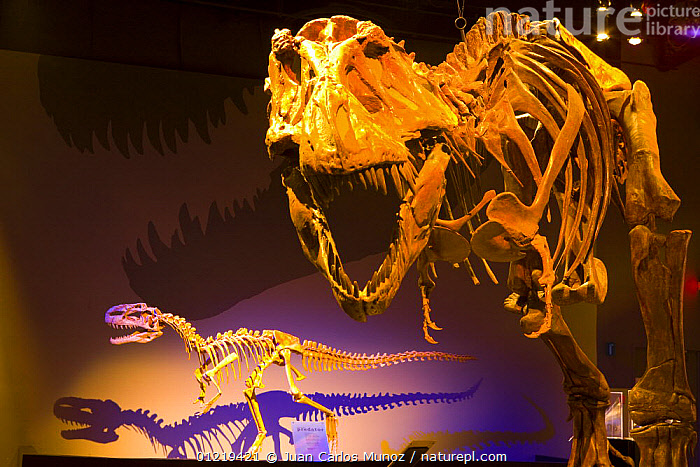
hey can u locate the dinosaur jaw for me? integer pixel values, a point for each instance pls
(82, 413)
(421, 196)
(142, 336)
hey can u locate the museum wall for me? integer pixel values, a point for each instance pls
(124, 184)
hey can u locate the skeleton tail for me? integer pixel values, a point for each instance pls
(448, 442)
(321, 357)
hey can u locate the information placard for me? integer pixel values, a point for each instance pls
(310, 439)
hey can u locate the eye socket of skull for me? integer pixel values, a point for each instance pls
(374, 41)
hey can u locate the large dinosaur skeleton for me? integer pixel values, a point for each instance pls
(359, 114)
(223, 354)
(351, 110)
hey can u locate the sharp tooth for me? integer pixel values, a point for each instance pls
(371, 178)
(399, 253)
(414, 171)
(386, 266)
(396, 178)
(348, 182)
(369, 288)
(408, 176)
(380, 180)
(356, 290)
(361, 179)
(336, 274)
(330, 186)
(337, 184)
(392, 253)
(346, 281)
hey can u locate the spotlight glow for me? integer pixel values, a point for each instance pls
(635, 40)
(636, 13)
(602, 37)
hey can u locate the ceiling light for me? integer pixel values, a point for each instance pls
(602, 37)
(636, 40)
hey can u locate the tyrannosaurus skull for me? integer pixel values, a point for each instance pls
(351, 110)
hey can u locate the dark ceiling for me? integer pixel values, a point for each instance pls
(231, 37)
(215, 36)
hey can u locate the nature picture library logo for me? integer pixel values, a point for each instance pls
(649, 20)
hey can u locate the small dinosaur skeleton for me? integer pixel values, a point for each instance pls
(225, 352)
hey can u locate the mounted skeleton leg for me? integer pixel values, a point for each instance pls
(254, 382)
(209, 376)
(661, 402)
(298, 396)
(512, 235)
(282, 356)
(585, 386)
(588, 395)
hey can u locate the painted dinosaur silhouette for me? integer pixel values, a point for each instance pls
(448, 442)
(163, 110)
(172, 274)
(226, 428)
(161, 102)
